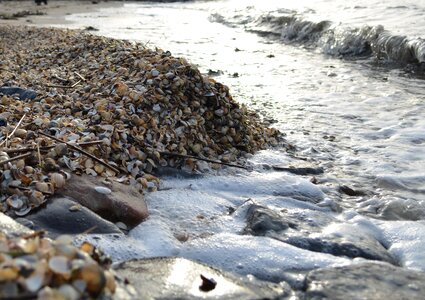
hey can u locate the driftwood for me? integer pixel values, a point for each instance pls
(203, 159)
(45, 148)
(14, 158)
(65, 86)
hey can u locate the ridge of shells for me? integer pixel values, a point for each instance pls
(138, 102)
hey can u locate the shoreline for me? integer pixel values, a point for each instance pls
(49, 15)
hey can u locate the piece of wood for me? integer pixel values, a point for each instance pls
(79, 75)
(64, 86)
(204, 159)
(29, 149)
(22, 188)
(14, 158)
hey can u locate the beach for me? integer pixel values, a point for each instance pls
(264, 156)
(50, 14)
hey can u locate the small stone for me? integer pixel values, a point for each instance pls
(102, 190)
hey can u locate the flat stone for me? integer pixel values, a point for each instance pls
(305, 232)
(23, 94)
(124, 204)
(299, 170)
(364, 247)
(365, 281)
(57, 218)
(179, 278)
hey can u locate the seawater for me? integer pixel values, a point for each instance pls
(345, 83)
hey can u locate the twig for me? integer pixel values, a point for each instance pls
(29, 149)
(204, 159)
(65, 86)
(13, 131)
(27, 189)
(81, 77)
(87, 231)
(82, 151)
(39, 155)
(60, 78)
(14, 158)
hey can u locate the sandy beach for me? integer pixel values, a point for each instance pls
(43, 15)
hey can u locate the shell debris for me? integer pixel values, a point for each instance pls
(38, 267)
(123, 106)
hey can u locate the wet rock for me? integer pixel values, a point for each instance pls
(364, 247)
(299, 171)
(306, 232)
(365, 281)
(23, 94)
(58, 218)
(11, 227)
(178, 278)
(124, 203)
(350, 192)
(262, 220)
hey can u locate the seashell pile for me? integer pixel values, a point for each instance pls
(35, 267)
(108, 108)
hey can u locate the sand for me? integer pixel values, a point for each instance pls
(53, 14)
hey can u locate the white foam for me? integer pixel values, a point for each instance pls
(406, 242)
(264, 257)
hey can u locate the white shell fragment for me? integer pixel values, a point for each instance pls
(59, 264)
(102, 190)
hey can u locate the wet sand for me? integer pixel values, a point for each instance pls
(52, 14)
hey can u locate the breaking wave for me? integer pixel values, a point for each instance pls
(333, 39)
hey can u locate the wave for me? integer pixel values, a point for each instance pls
(333, 39)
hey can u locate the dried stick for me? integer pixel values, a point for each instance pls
(65, 86)
(13, 131)
(79, 75)
(29, 149)
(82, 151)
(60, 78)
(40, 164)
(204, 159)
(14, 158)
(27, 189)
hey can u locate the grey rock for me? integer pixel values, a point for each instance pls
(299, 170)
(262, 221)
(179, 278)
(365, 247)
(23, 94)
(57, 219)
(305, 232)
(365, 281)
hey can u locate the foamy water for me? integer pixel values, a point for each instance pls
(361, 118)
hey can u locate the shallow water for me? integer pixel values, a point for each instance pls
(357, 112)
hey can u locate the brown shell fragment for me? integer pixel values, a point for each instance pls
(34, 266)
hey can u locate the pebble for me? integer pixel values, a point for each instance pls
(102, 190)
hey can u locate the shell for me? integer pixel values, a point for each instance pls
(102, 190)
(58, 180)
(60, 265)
